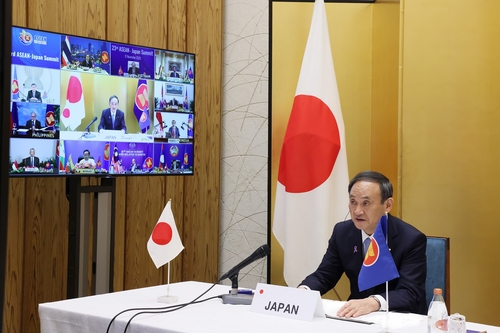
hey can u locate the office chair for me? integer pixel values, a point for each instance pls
(438, 268)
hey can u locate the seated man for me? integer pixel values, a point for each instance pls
(370, 196)
(34, 95)
(134, 166)
(31, 161)
(33, 123)
(87, 162)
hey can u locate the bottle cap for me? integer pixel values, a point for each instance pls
(438, 291)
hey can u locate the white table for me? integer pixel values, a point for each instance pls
(92, 315)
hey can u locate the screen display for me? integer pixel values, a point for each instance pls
(83, 106)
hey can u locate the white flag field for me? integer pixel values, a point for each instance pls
(311, 191)
(164, 243)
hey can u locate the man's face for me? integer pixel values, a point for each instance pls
(113, 104)
(366, 207)
(173, 122)
(133, 161)
(86, 155)
(32, 152)
(33, 116)
(33, 87)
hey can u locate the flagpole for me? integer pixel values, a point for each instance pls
(168, 298)
(387, 282)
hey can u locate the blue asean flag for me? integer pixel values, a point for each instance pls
(378, 266)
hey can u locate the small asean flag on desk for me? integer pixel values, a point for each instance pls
(164, 243)
(378, 266)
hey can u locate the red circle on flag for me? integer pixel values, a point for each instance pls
(66, 113)
(370, 257)
(75, 90)
(162, 234)
(310, 147)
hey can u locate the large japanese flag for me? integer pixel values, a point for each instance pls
(164, 243)
(311, 193)
(74, 107)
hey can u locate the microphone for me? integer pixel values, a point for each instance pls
(88, 126)
(261, 252)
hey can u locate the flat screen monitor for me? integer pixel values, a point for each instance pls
(82, 106)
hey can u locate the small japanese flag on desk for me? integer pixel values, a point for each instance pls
(164, 243)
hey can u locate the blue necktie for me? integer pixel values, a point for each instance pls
(366, 244)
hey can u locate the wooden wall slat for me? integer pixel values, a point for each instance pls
(37, 245)
(177, 25)
(116, 19)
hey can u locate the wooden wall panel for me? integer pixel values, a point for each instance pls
(38, 218)
(117, 20)
(177, 25)
(147, 22)
(14, 264)
(201, 211)
(45, 247)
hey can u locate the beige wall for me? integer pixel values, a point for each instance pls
(450, 133)
(419, 83)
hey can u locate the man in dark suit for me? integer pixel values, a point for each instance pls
(34, 95)
(134, 166)
(31, 161)
(112, 118)
(133, 70)
(174, 72)
(33, 123)
(174, 130)
(87, 62)
(370, 196)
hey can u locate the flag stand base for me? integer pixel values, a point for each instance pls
(168, 299)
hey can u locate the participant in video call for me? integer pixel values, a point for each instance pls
(87, 62)
(133, 70)
(86, 162)
(134, 166)
(174, 72)
(112, 118)
(34, 95)
(31, 161)
(174, 130)
(33, 123)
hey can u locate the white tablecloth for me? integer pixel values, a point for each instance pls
(93, 314)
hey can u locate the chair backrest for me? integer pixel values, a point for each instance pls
(438, 268)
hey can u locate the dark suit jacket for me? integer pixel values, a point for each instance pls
(174, 74)
(107, 123)
(29, 124)
(38, 95)
(86, 64)
(132, 70)
(27, 161)
(407, 245)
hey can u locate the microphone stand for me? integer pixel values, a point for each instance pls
(234, 297)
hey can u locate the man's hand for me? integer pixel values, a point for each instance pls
(358, 307)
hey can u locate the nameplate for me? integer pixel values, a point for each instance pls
(85, 171)
(287, 302)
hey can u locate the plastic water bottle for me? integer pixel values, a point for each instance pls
(437, 316)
